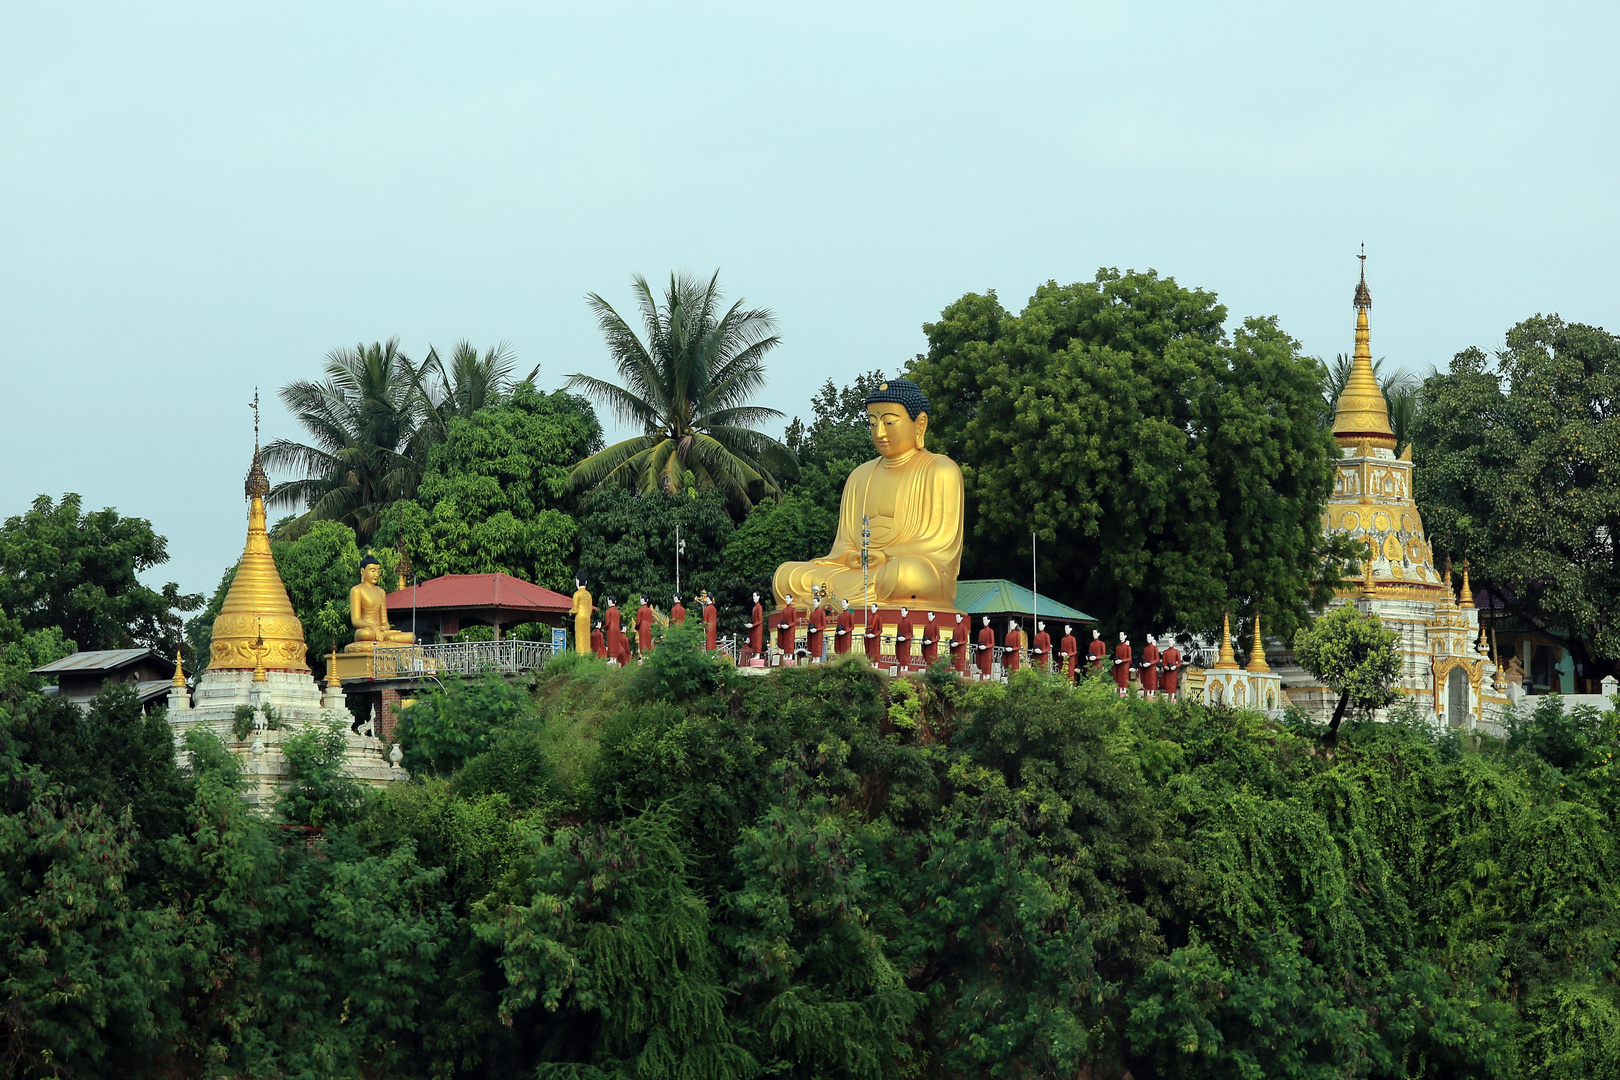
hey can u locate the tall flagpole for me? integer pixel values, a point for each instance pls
(1034, 588)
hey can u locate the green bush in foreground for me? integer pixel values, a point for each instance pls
(682, 871)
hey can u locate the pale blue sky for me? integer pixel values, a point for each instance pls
(197, 198)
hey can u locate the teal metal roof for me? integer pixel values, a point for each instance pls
(998, 596)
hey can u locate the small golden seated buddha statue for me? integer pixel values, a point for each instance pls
(368, 612)
(912, 498)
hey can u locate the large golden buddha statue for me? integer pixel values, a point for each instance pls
(368, 612)
(913, 499)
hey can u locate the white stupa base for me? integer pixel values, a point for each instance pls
(294, 702)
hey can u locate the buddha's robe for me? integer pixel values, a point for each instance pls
(1041, 656)
(986, 649)
(1122, 665)
(844, 636)
(1150, 668)
(1096, 652)
(644, 625)
(1170, 680)
(711, 625)
(1013, 657)
(930, 642)
(904, 631)
(915, 504)
(1070, 650)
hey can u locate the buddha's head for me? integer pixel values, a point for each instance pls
(370, 570)
(897, 415)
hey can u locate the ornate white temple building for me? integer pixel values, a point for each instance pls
(1446, 668)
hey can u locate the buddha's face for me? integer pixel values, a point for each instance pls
(371, 573)
(894, 432)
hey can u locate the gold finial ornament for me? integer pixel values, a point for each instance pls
(257, 613)
(1227, 661)
(332, 680)
(1467, 600)
(179, 672)
(1362, 414)
(1257, 655)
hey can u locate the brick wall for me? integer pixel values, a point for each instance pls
(387, 715)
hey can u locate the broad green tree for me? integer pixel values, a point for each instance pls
(687, 387)
(1354, 655)
(1517, 461)
(79, 572)
(1169, 469)
(497, 495)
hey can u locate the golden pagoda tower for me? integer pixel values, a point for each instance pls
(257, 626)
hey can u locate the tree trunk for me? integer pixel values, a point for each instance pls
(1338, 714)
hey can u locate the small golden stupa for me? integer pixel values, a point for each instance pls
(257, 606)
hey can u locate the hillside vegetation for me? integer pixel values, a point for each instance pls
(678, 871)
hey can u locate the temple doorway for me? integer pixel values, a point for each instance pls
(1457, 698)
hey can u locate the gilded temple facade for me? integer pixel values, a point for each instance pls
(1445, 666)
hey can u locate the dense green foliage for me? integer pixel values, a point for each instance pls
(372, 423)
(76, 573)
(678, 870)
(496, 497)
(687, 387)
(1172, 471)
(1516, 471)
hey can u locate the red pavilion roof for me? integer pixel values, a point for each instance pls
(480, 592)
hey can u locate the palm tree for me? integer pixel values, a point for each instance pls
(365, 450)
(686, 387)
(467, 384)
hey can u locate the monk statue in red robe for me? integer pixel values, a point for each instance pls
(930, 641)
(756, 630)
(1122, 665)
(1149, 670)
(1096, 653)
(913, 501)
(1013, 658)
(1069, 652)
(903, 633)
(844, 633)
(711, 621)
(986, 649)
(644, 625)
(598, 645)
(1170, 681)
(786, 621)
(960, 630)
(874, 637)
(815, 634)
(1040, 654)
(677, 613)
(618, 648)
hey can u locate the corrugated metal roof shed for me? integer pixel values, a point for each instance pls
(99, 660)
(998, 596)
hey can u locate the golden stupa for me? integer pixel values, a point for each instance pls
(257, 627)
(1363, 414)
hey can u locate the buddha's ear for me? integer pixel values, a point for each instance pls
(922, 427)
